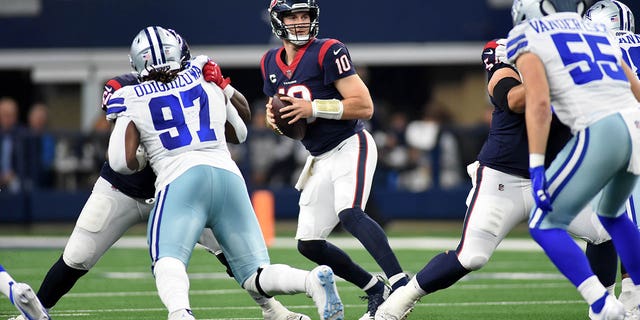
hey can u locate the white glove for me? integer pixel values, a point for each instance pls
(501, 51)
(141, 156)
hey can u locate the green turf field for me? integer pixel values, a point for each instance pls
(514, 285)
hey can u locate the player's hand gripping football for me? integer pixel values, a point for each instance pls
(212, 73)
(539, 188)
(270, 120)
(299, 109)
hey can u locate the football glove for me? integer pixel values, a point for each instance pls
(141, 156)
(494, 53)
(501, 51)
(212, 73)
(539, 188)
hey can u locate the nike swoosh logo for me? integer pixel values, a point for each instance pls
(490, 51)
(335, 52)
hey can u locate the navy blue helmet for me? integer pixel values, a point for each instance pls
(278, 9)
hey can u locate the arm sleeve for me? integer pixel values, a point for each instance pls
(234, 119)
(116, 150)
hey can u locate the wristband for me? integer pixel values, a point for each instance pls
(229, 91)
(327, 108)
(536, 160)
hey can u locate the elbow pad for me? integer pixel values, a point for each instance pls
(501, 92)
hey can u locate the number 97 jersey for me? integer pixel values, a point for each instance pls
(181, 123)
(583, 66)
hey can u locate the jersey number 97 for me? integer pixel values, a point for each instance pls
(177, 120)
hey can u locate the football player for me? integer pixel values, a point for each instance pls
(118, 202)
(322, 85)
(22, 297)
(179, 119)
(599, 103)
(620, 21)
(494, 211)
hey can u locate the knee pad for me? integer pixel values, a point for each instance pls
(474, 260)
(80, 251)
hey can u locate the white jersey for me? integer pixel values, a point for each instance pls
(181, 123)
(582, 62)
(630, 45)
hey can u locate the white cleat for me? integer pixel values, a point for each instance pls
(630, 300)
(182, 314)
(321, 287)
(26, 301)
(612, 310)
(274, 310)
(398, 304)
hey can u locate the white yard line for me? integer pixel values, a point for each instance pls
(427, 243)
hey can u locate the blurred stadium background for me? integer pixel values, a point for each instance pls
(421, 60)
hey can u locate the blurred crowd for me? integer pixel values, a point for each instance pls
(415, 154)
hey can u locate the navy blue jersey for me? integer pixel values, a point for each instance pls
(310, 76)
(139, 184)
(507, 149)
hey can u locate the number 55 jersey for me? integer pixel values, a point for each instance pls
(583, 66)
(186, 115)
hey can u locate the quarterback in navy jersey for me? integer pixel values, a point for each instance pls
(321, 83)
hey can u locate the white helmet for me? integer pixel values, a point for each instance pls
(155, 48)
(614, 14)
(523, 10)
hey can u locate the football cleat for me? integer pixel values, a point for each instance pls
(375, 300)
(274, 310)
(399, 304)
(26, 301)
(630, 300)
(182, 314)
(321, 287)
(612, 310)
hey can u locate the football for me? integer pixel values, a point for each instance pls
(296, 130)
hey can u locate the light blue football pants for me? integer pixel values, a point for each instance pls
(206, 196)
(595, 158)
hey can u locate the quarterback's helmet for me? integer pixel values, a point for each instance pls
(614, 14)
(523, 10)
(280, 8)
(155, 49)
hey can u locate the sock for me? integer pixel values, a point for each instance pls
(603, 260)
(626, 239)
(325, 253)
(378, 287)
(276, 279)
(58, 281)
(440, 272)
(5, 282)
(372, 237)
(593, 292)
(564, 253)
(172, 283)
(398, 280)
